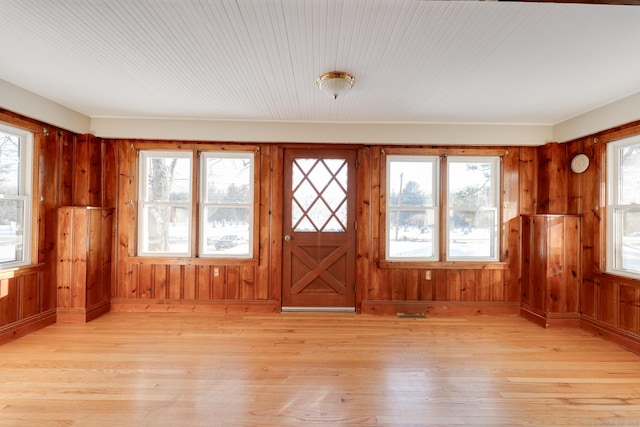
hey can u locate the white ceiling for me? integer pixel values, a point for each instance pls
(414, 61)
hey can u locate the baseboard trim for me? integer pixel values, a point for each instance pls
(82, 315)
(556, 320)
(440, 308)
(252, 306)
(619, 337)
(26, 326)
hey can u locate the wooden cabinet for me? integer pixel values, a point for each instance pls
(551, 269)
(84, 268)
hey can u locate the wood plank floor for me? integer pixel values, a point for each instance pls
(202, 369)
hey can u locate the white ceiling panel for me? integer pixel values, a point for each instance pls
(414, 61)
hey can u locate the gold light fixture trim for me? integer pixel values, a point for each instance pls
(335, 84)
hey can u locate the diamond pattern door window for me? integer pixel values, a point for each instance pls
(319, 201)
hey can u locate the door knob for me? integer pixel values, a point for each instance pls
(287, 237)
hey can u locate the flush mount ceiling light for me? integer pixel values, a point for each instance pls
(335, 84)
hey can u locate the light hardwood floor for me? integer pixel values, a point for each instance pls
(201, 369)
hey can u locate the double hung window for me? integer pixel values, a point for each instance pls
(189, 208)
(623, 207)
(16, 168)
(432, 215)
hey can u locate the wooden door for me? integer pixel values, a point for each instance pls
(319, 229)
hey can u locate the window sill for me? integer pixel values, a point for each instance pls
(190, 260)
(446, 265)
(24, 270)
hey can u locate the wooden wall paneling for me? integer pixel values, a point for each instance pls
(159, 281)
(441, 288)
(484, 286)
(572, 265)
(232, 282)
(28, 285)
(588, 298)
(511, 190)
(364, 262)
(218, 282)
(608, 302)
(425, 285)
(629, 308)
(94, 268)
(454, 285)
(527, 253)
(247, 283)
(498, 280)
(528, 182)
(107, 253)
(262, 281)
(191, 285)
(145, 281)
(64, 257)
(47, 151)
(552, 179)
(66, 168)
(109, 186)
(125, 224)
(82, 170)
(175, 283)
(396, 283)
(373, 288)
(8, 301)
(412, 284)
(469, 285)
(78, 245)
(276, 165)
(204, 283)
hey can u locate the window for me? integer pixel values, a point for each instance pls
(472, 202)
(165, 203)
(226, 206)
(222, 212)
(623, 207)
(468, 220)
(412, 228)
(16, 163)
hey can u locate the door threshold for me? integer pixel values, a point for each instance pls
(319, 309)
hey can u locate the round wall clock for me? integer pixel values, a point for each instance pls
(579, 163)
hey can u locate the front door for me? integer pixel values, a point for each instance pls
(319, 230)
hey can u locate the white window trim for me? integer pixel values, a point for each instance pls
(613, 193)
(203, 205)
(25, 190)
(436, 191)
(495, 202)
(144, 155)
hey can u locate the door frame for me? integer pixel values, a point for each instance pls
(363, 194)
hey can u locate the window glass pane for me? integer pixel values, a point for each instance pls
(168, 179)
(11, 230)
(415, 237)
(165, 229)
(227, 230)
(9, 164)
(630, 175)
(411, 215)
(228, 180)
(472, 234)
(630, 248)
(226, 209)
(470, 184)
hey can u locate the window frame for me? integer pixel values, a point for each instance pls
(202, 188)
(195, 151)
(435, 160)
(142, 191)
(442, 261)
(26, 191)
(613, 228)
(495, 204)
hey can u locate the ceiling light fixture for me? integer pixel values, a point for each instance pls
(335, 84)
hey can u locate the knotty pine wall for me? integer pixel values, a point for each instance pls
(148, 283)
(68, 170)
(83, 170)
